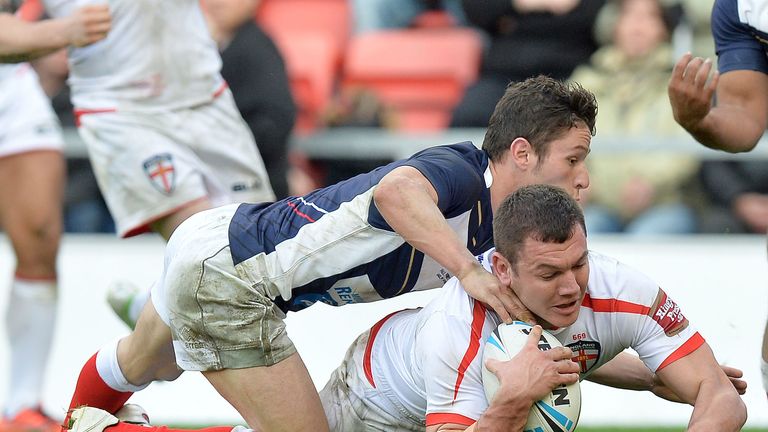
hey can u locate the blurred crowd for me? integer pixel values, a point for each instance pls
(301, 67)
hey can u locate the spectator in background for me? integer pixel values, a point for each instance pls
(376, 15)
(527, 38)
(255, 72)
(738, 191)
(636, 193)
(692, 34)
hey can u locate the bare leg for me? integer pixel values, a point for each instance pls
(280, 397)
(147, 354)
(31, 189)
(167, 225)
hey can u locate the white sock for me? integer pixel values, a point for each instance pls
(109, 370)
(137, 304)
(30, 323)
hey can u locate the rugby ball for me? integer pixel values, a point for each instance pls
(556, 412)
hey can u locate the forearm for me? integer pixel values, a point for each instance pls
(625, 371)
(22, 41)
(410, 210)
(717, 409)
(729, 128)
(506, 417)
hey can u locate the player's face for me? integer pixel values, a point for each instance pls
(564, 165)
(551, 278)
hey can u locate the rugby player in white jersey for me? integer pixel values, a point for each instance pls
(232, 273)
(420, 369)
(163, 133)
(31, 193)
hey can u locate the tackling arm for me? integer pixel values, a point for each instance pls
(408, 202)
(22, 41)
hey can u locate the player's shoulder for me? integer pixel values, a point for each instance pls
(463, 152)
(734, 20)
(610, 278)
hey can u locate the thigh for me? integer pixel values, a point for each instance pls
(31, 193)
(277, 398)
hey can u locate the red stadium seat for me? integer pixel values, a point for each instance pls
(290, 17)
(312, 36)
(420, 73)
(311, 65)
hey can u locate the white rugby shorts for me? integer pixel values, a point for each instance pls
(150, 163)
(27, 121)
(352, 404)
(219, 318)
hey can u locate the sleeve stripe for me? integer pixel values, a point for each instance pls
(478, 319)
(691, 345)
(614, 305)
(442, 418)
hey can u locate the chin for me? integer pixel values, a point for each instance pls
(557, 322)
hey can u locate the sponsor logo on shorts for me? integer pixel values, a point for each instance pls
(585, 353)
(668, 314)
(256, 183)
(161, 172)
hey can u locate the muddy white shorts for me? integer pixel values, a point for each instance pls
(352, 404)
(150, 164)
(27, 121)
(219, 318)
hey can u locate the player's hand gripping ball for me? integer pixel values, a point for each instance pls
(559, 410)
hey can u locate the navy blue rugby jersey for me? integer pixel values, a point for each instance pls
(740, 29)
(332, 245)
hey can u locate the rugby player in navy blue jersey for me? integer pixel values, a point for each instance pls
(233, 272)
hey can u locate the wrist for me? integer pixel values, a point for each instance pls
(467, 267)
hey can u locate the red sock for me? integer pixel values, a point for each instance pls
(128, 427)
(92, 391)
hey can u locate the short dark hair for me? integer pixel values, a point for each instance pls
(539, 109)
(543, 212)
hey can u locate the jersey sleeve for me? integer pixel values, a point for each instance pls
(458, 183)
(735, 44)
(451, 349)
(660, 331)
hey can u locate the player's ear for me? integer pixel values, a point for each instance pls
(502, 268)
(521, 152)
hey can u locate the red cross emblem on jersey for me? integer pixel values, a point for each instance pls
(585, 353)
(161, 172)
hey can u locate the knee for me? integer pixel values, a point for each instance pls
(38, 244)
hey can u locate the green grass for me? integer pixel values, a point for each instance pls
(648, 429)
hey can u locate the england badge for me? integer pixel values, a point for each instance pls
(161, 172)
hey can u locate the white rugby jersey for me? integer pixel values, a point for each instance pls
(429, 360)
(157, 56)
